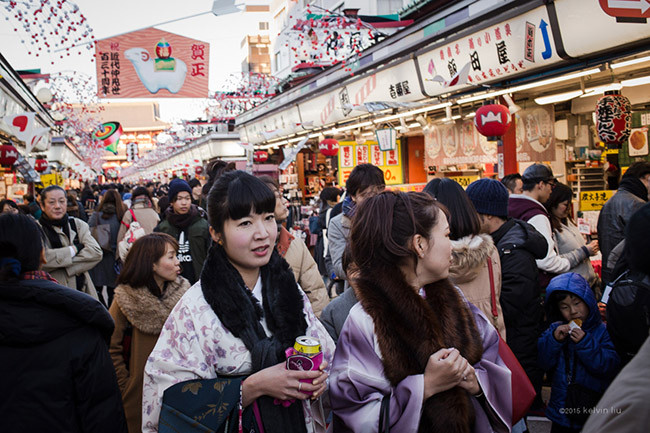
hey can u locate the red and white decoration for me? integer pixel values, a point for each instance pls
(329, 147)
(8, 155)
(613, 119)
(492, 120)
(260, 156)
(40, 165)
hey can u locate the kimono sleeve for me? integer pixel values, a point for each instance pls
(357, 383)
(178, 356)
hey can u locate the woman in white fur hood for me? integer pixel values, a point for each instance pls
(475, 267)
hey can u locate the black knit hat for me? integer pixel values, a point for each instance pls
(489, 196)
(176, 186)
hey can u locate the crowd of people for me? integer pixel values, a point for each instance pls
(166, 307)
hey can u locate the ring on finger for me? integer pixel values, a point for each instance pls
(299, 386)
(464, 377)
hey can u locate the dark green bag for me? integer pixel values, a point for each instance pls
(205, 405)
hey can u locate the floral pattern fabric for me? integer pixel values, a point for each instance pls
(194, 344)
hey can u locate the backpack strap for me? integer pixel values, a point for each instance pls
(73, 225)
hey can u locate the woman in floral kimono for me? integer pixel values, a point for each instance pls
(240, 317)
(413, 338)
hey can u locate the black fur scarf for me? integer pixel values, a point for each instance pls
(240, 312)
(410, 328)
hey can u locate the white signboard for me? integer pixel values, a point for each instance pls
(508, 48)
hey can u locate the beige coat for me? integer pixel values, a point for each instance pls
(146, 216)
(305, 270)
(470, 272)
(147, 315)
(63, 267)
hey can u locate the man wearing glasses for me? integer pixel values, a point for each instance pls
(538, 183)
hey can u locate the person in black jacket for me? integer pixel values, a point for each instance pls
(519, 245)
(55, 371)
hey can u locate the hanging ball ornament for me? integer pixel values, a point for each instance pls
(492, 120)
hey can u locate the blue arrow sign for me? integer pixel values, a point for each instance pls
(548, 52)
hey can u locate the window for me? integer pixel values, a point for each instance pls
(264, 25)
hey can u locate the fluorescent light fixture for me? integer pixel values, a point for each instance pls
(314, 135)
(347, 128)
(413, 112)
(367, 134)
(593, 91)
(544, 100)
(529, 86)
(636, 81)
(414, 125)
(629, 62)
(470, 115)
(294, 140)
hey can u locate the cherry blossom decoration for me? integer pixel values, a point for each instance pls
(48, 26)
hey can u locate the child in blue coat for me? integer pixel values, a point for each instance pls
(579, 337)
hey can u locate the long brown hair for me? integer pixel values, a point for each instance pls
(383, 226)
(112, 196)
(138, 267)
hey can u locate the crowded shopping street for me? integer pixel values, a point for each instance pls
(347, 216)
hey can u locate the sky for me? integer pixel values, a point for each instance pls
(224, 33)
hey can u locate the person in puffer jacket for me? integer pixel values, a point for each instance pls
(593, 361)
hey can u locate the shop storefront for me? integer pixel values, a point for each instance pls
(548, 62)
(24, 136)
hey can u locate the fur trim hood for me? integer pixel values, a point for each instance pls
(469, 255)
(145, 311)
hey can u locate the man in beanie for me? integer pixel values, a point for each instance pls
(519, 245)
(187, 223)
(631, 195)
(529, 206)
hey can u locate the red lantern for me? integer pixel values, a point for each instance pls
(40, 165)
(329, 147)
(198, 170)
(613, 119)
(260, 156)
(492, 121)
(8, 155)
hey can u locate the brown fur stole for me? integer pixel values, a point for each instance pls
(145, 311)
(410, 329)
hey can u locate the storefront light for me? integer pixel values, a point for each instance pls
(593, 91)
(334, 131)
(636, 81)
(629, 62)
(560, 97)
(529, 86)
(413, 112)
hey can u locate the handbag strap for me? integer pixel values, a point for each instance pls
(258, 417)
(384, 414)
(493, 296)
(133, 215)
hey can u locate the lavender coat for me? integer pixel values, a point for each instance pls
(358, 384)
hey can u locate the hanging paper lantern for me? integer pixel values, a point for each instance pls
(109, 133)
(492, 120)
(40, 165)
(260, 156)
(8, 155)
(613, 119)
(198, 170)
(329, 147)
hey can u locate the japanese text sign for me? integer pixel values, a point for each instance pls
(152, 63)
(594, 200)
(352, 154)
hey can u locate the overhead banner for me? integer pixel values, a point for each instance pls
(352, 154)
(151, 63)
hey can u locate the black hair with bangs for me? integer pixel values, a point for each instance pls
(235, 195)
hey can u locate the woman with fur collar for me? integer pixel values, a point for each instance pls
(413, 338)
(149, 286)
(475, 265)
(240, 317)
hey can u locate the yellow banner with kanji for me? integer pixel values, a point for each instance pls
(52, 179)
(594, 200)
(352, 154)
